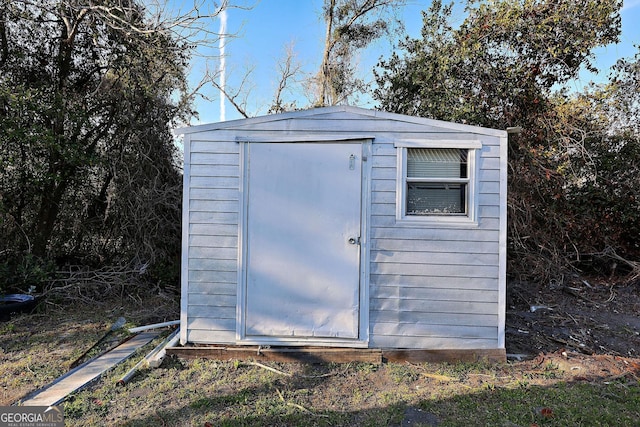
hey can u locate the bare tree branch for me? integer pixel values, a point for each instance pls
(192, 27)
(288, 69)
(237, 98)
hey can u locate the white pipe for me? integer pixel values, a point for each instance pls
(149, 358)
(153, 326)
(223, 61)
(156, 359)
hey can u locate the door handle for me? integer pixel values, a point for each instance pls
(354, 240)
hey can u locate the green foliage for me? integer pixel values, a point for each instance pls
(505, 65)
(366, 367)
(579, 404)
(241, 398)
(498, 67)
(602, 194)
(24, 274)
(88, 169)
(402, 373)
(351, 25)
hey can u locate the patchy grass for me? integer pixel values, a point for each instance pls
(227, 394)
(552, 390)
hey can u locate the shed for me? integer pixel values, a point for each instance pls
(344, 227)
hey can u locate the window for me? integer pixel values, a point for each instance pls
(435, 183)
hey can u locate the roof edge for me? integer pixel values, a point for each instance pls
(340, 108)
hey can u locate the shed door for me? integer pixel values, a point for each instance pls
(302, 240)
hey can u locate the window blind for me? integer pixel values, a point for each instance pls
(436, 163)
(436, 181)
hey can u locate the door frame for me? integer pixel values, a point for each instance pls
(366, 162)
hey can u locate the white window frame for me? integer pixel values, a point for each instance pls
(470, 218)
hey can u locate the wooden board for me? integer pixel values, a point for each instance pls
(280, 354)
(77, 378)
(497, 355)
(336, 355)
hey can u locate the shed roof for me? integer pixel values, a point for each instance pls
(350, 110)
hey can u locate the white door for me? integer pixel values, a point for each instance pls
(302, 239)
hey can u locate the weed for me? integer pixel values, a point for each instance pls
(7, 328)
(269, 406)
(551, 371)
(389, 398)
(173, 362)
(402, 372)
(366, 368)
(551, 366)
(241, 397)
(204, 403)
(74, 408)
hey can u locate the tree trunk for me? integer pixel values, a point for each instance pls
(325, 72)
(4, 44)
(47, 216)
(60, 171)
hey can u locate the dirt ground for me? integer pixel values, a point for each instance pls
(587, 316)
(561, 338)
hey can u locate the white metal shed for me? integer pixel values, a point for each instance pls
(344, 227)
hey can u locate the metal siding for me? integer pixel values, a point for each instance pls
(436, 286)
(431, 343)
(502, 251)
(431, 282)
(211, 224)
(184, 269)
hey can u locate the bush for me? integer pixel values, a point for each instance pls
(25, 274)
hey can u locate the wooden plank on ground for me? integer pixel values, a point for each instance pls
(279, 354)
(438, 356)
(77, 378)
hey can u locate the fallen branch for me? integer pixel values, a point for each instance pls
(89, 284)
(269, 368)
(612, 254)
(438, 377)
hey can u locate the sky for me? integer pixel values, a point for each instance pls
(262, 33)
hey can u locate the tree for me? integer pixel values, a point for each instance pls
(86, 151)
(288, 70)
(500, 65)
(351, 25)
(601, 127)
(503, 67)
